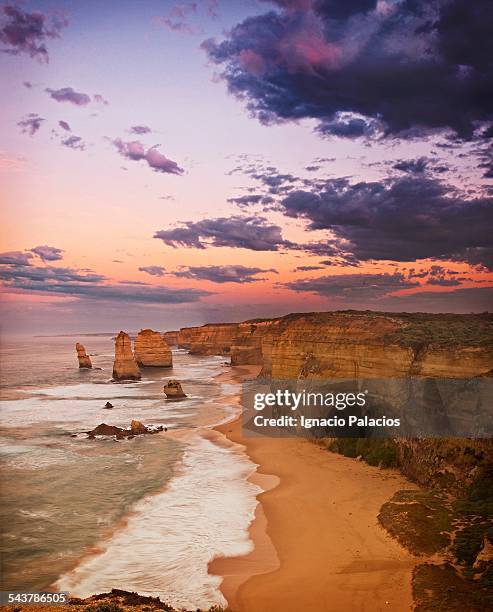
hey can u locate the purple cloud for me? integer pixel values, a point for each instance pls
(153, 270)
(64, 125)
(140, 129)
(67, 94)
(99, 99)
(135, 151)
(30, 124)
(223, 274)
(48, 253)
(74, 142)
(25, 32)
(16, 258)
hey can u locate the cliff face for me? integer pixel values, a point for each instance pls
(125, 366)
(82, 356)
(246, 348)
(151, 350)
(211, 339)
(171, 337)
(377, 345)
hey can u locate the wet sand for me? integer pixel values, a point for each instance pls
(318, 544)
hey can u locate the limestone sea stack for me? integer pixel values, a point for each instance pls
(173, 390)
(82, 356)
(151, 350)
(125, 366)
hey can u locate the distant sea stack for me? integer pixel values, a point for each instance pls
(172, 389)
(151, 350)
(82, 356)
(125, 366)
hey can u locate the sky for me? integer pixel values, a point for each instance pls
(168, 164)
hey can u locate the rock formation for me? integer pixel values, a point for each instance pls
(82, 356)
(151, 350)
(125, 367)
(173, 390)
(136, 429)
(108, 406)
(246, 348)
(171, 337)
(211, 339)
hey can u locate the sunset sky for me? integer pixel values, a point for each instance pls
(167, 164)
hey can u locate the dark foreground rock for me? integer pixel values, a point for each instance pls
(108, 406)
(136, 429)
(114, 601)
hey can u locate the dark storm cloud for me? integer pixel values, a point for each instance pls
(135, 151)
(254, 233)
(223, 274)
(48, 253)
(17, 258)
(420, 165)
(399, 67)
(67, 94)
(82, 284)
(352, 287)
(153, 270)
(402, 219)
(24, 32)
(30, 124)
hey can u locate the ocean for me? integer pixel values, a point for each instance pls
(146, 514)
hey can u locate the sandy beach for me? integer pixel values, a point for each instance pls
(318, 543)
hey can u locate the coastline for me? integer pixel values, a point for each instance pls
(317, 541)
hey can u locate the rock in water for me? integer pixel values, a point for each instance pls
(106, 430)
(82, 356)
(151, 350)
(108, 405)
(125, 367)
(136, 427)
(173, 389)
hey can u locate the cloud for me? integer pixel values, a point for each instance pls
(74, 142)
(254, 233)
(67, 94)
(87, 285)
(28, 33)
(17, 258)
(140, 129)
(48, 253)
(400, 68)
(30, 124)
(64, 125)
(99, 99)
(153, 270)
(175, 20)
(308, 268)
(353, 287)
(223, 274)
(400, 219)
(135, 151)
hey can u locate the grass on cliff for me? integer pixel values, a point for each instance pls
(382, 453)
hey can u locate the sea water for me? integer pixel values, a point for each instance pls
(146, 514)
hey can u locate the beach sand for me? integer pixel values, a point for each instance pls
(318, 544)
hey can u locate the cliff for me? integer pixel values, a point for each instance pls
(378, 345)
(151, 350)
(82, 356)
(211, 339)
(171, 337)
(246, 348)
(125, 366)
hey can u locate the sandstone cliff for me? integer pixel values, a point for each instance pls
(82, 356)
(171, 337)
(377, 345)
(151, 350)
(211, 339)
(246, 348)
(125, 366)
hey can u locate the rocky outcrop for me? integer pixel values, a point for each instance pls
(211, 339)
(172, 389)
(377, 345)
(171, 337)
(82, 356)
(136, 429)
(246, 348)
(125, 366)
(151, 350)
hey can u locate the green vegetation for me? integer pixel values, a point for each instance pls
(104, 607)
(375, 451)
